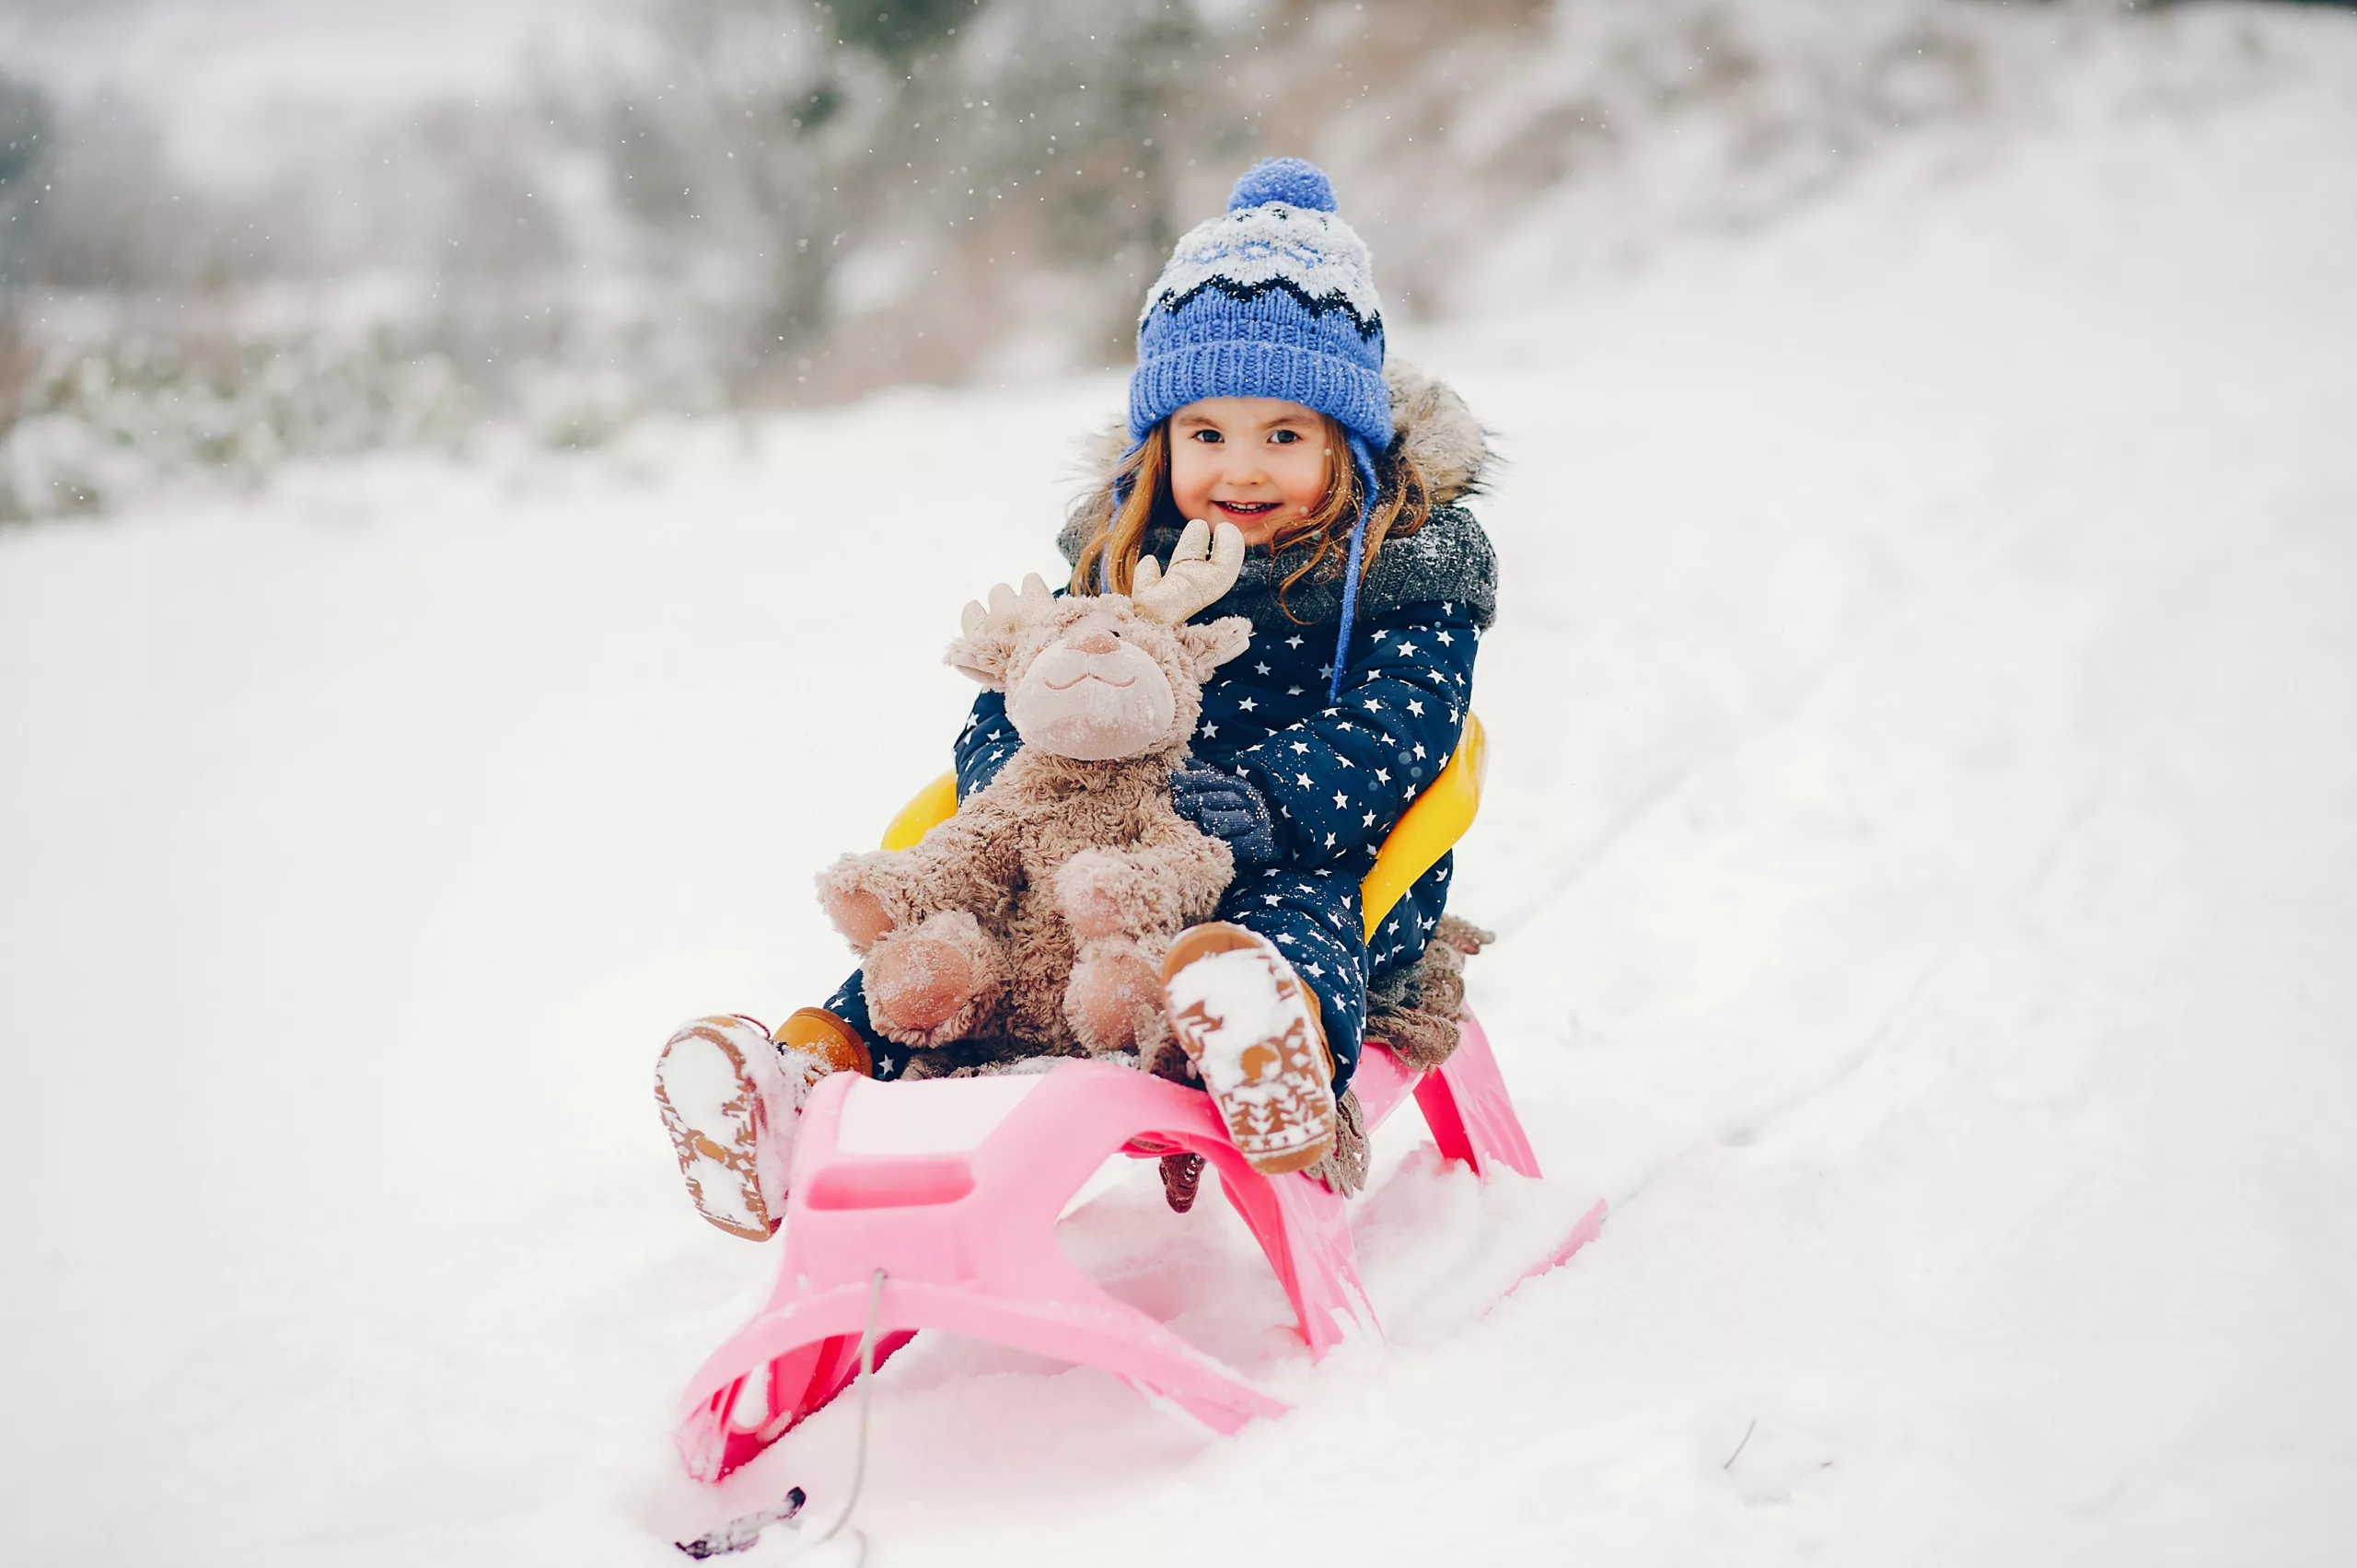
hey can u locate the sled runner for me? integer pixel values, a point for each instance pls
(952, 1189)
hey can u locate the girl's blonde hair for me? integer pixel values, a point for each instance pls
(1135, 498)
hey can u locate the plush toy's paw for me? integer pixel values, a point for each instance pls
(929, 984)
(854, 906)
(1088, 890)
(1105, 894)
(1115, 995)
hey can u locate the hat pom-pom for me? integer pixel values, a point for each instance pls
(1294, 181)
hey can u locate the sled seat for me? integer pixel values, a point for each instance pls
(953, 1188)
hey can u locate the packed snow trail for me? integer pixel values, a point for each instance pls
(1919, 829)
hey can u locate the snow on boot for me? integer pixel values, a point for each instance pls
(731, 1096)
(1252, 1030)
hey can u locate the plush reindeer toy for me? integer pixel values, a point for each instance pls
(1040, 914)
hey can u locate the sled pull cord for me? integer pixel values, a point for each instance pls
(867, 1395)
(741, 1534)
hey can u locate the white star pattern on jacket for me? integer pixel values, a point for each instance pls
(1395, 716)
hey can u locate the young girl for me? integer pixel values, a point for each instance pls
(1260, 400)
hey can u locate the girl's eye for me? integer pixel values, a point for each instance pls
(1208, 437)
(1283, 437)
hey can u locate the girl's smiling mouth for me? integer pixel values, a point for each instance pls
(1248, 508)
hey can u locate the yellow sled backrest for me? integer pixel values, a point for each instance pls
(1430, 826)
(934, 804)
(1424, 833)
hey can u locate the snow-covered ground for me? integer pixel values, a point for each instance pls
(1922, 830)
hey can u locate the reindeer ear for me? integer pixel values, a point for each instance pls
(1210, 645)
(982, 655)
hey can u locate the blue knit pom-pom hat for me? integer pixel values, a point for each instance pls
(1273, 298)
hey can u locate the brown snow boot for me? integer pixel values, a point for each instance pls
(1253, 1031)
(731, 1096)
(823, 1043)
(1182, 1178)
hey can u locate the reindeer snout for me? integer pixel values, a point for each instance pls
(1095, 640)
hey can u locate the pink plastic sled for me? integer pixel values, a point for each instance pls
(953, 1189)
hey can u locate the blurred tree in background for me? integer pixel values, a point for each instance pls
(901, 32)
(755, 203)
(24, 134)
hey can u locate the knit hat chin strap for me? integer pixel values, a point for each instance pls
(1363, 462)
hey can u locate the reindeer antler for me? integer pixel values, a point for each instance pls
(1009, 611)
(1204, 566)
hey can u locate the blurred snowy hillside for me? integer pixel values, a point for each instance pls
(232, 231)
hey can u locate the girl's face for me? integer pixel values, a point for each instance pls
(1256, 462)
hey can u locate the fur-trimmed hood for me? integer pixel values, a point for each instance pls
(1448, 559)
